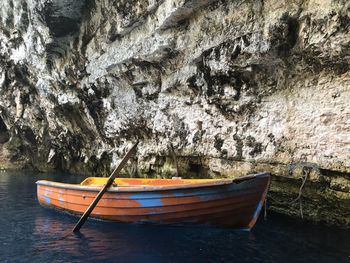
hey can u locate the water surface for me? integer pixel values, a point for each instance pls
(31, 233)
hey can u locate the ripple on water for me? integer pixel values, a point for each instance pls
(31, 233)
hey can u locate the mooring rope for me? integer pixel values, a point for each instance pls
(306, 169)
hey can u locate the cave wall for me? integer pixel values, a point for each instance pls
(228, 87)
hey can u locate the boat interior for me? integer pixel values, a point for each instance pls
(97, 181)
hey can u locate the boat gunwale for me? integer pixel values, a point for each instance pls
(147, 188)
(158, 197)
(228, 196)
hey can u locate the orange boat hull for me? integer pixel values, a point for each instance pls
(231, 203)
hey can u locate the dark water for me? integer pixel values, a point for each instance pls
(30, 233)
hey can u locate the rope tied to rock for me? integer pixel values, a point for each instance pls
(306, 170)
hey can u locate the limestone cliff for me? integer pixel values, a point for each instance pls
(214, 88)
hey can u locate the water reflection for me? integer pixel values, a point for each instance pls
(31, 233)
(55, 236)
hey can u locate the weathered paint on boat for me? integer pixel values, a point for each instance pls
(224, 202)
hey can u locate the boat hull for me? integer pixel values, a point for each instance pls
(234, 203)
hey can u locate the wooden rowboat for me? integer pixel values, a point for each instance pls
(223, 202)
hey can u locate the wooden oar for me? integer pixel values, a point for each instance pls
(104, 189)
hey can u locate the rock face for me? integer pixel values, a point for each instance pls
(212, 88)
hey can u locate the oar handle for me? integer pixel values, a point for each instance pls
(105, 188)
